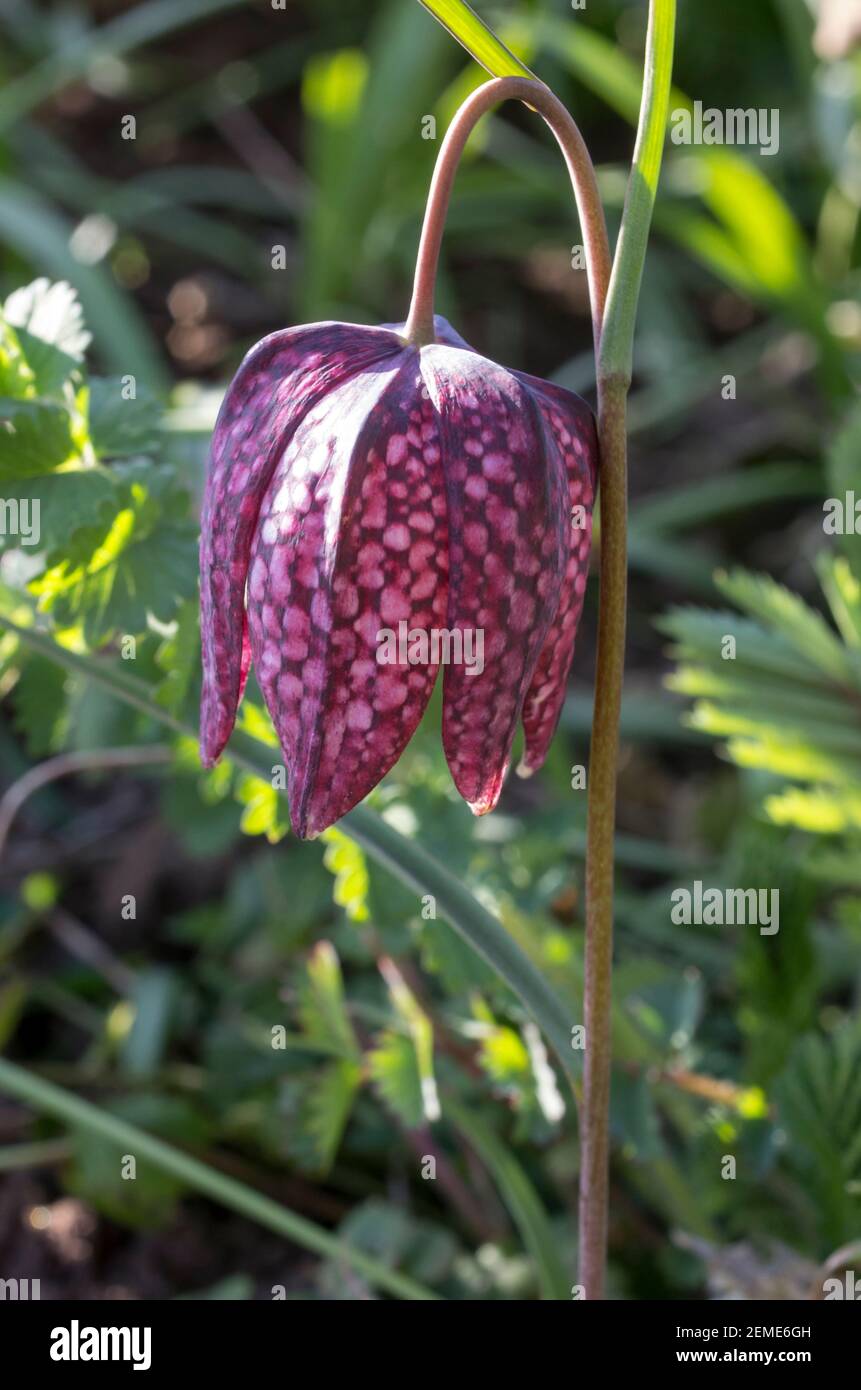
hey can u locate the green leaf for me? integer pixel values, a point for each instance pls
(145, 565)
(264, 812)
(475, 36)
(154, 1003)
(179, 658)
(420, 1030)
(344, 858)
(696, 504)
(819, 1104)
(68, 502)
(120, 425)
(17, 378)
(394, 1071)
(322, 1005)
(149, 1197)
(842, 588)
(325, 1100)
(35, 436)
(786, 613)
(41, 712)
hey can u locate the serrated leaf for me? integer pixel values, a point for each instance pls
(842, 589)
(394, 1072)
(324, 1104)
(345, 860)
(67, 503)
(781, 610)
(420, 1031)
(322, 1005)
(144, 566)
(35, 437)
(263, 809)
(819, 1104)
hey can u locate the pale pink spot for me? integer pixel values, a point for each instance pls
(257, 582)
(423, 587)
(360, 716)
(390, 694)
(475, 538)
(420, 553)
(397, 537)
(394, 606)
(497, 467)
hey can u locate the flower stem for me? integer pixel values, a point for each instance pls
(614, 378)
(420, 326)
(600, 838)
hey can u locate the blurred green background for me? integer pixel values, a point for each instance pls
(156, 923)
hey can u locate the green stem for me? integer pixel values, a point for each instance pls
(74, 1111)
(614, 379)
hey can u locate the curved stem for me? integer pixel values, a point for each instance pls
(420, 326)
(81, 760)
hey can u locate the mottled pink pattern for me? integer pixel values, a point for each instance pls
(508, 551)
(352, 540)
(357, 484)
(571, 426)
(276, 383)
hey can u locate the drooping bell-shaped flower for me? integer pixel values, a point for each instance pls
(375, 509)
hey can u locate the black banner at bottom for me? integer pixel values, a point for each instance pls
(83, 1339)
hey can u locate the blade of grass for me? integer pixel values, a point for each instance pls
(464, 25)
(72, 1110)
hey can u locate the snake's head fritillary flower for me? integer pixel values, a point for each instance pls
(374, 510)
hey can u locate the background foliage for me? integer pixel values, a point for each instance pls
(299, 131)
